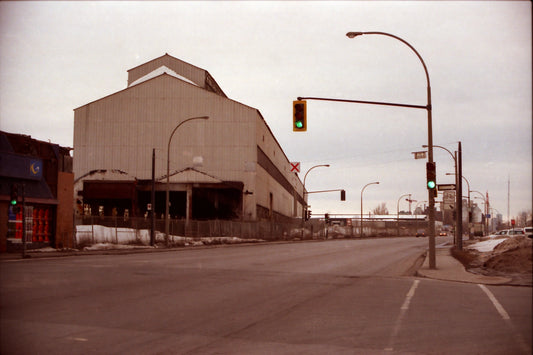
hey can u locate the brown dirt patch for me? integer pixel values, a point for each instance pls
(511, 258)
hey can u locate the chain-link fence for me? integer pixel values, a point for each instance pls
(121, 230)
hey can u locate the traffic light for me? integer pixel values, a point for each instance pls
(343, 195)
(308, 215)
(299, 116)
(431, 174)
(14, 195)
(326, 218)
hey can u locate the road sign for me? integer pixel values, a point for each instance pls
(448, 200)
(420, 155)
(295, 167)
(446, 187)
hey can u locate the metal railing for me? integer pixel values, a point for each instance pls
(123, 230)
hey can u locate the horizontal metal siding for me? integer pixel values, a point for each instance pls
(121, 130)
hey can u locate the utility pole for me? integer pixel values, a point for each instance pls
(152, 202)
(459, 198)
(508, 199)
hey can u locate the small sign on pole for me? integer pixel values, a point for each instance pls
(420, 155)
(449, 200)
(295, 167)
(446, 187)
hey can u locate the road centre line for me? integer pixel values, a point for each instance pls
(403, 309)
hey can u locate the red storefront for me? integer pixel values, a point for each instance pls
(40, 175)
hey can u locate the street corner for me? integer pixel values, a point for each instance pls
(450, 269)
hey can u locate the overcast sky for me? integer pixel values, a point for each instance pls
(57, 56)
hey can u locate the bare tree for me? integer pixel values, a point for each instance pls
(523, 218)
(381, 209)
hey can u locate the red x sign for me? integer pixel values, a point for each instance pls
(295, 167)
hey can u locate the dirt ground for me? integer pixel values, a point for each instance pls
(511, 258)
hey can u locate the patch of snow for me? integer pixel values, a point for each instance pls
(108, 246)
(159, 71)
(487, 245)
(103, 238)
(43, 250)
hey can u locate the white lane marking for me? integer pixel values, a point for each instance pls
(495, 302)
(410, 294)
(403, 310)
(503, 313)
(78, 339)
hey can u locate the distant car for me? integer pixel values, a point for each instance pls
(442, 234)
(499, 234)
(508, 233)
(529, 232)
(420, 233)
(515, 232)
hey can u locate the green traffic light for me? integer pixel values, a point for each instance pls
(431, 184)
(13, 202)
(299, 124)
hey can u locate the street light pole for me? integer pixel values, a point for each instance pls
(363, 189)
(168, 175)
(305, 177)
(431, 196)
(485, 224)
(416, 218)
(457, 159)
(398, 214)
(468, 196)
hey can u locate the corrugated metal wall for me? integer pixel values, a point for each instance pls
(120, 131)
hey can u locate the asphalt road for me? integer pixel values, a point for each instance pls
(336, 297)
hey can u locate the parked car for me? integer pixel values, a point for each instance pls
(529, 232)
(499, 234)
(508, 233)
(515, 232)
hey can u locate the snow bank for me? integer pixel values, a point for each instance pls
(100, 234)
(487, 245)
(101, 238)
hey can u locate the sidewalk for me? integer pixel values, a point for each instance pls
(450, 269)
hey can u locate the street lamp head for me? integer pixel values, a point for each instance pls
(354, 34)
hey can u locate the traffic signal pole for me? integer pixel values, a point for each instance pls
(428, 108)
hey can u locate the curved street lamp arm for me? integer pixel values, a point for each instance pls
(316, 166)
(431, 197)
(483, 197)
(441, 147)
(354, 34)
(178, 126)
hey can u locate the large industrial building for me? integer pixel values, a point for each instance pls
(229, 166)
